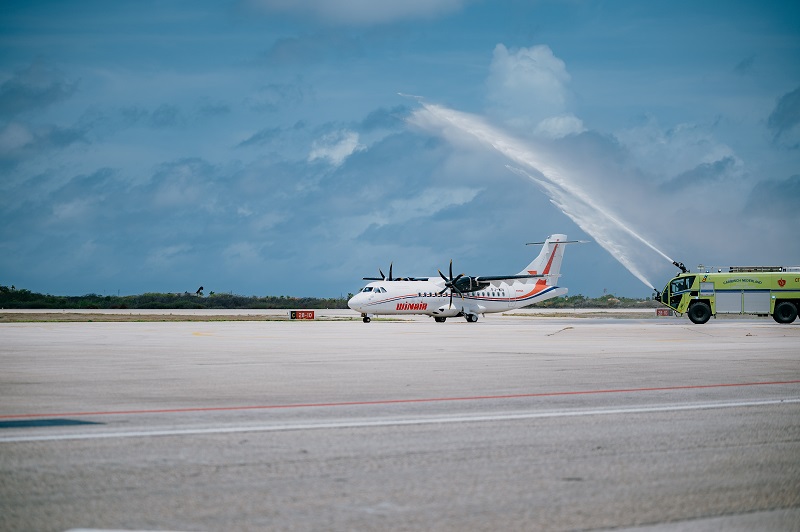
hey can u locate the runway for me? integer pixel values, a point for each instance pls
(511, 423)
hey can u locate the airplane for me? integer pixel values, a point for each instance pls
(446, 297)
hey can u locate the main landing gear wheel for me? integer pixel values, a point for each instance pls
(699, 312)
(439, 319)
(472, 318)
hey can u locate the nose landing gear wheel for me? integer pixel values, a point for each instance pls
(366, 319)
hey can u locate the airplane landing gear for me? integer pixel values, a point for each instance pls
(367, 319)
(439, 319)
(472, 318)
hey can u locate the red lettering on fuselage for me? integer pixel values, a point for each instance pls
(412, 306)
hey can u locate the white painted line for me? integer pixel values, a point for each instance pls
(427, 420)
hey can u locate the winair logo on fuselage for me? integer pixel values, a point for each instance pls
(412, 306)
(742, 280)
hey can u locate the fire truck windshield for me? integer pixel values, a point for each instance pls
(681, 284)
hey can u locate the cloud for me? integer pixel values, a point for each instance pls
(184, 185)
(669, 152)
(167, 257)
(275, 137)
(777, 200)
(386, 118)
(527, 90)
(360, 12)
(704, 174)
(19, 142)
(745, 66)
(166, 116)
(275, 96)
(785, 117)
(34, 88)
(557, 127)
(335, 147)
(208, 109)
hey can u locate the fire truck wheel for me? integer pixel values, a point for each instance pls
(699, 312)
(785, 312)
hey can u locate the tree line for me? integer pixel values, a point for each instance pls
(13, 298)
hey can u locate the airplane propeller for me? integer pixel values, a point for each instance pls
(382, 277)
(451, 283)
(390, 278)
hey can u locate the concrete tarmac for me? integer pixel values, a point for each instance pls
(511, 423)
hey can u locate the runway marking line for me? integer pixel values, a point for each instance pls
(358, 424)
(395, 401)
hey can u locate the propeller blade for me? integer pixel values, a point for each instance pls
(390, 271)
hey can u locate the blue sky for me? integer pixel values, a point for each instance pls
(275, 147)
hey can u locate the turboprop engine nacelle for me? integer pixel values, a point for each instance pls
(470, 284)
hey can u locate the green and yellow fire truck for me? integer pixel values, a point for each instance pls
(760, 290)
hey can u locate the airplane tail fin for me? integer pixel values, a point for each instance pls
(548, 262)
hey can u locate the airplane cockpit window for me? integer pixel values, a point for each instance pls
(367, 289)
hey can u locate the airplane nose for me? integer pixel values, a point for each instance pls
(353, 302)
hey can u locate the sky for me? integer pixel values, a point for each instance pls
(279, 147)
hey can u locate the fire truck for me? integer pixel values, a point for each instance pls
(759, 290)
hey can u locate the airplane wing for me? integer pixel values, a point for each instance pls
(390, 278)
(504, 277)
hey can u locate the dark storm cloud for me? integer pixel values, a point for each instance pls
(383, 118)
(34, 88)
(776, 199)
(701, 174)
(745, 66)
(786, 114)
(213, 109)
(166, 115)
(30, 142)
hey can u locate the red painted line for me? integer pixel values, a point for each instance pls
(393, 401)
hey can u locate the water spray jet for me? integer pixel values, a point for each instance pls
(563, 192)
